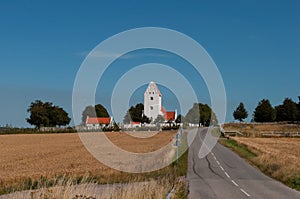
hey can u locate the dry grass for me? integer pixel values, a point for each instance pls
(256, 130)
(51, 155)
(278, 157)
(68, 190)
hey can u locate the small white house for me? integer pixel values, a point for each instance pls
(98, 122)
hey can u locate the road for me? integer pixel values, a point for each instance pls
(223, 174)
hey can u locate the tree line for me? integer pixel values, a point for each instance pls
(199, 113)
(288, 111)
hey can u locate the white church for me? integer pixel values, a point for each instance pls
(153, 104)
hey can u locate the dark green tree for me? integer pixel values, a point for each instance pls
(47, 115)
(264, 112)
(201, 114)
(159, 119)
(180, 119)
(240, 113)
(38, 114)
(94, 111)
(193, 115)
(135, 114)
(298, 118)
(287, 111)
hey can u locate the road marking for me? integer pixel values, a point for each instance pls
(247, 194)
(242, 190)
(227, 174)
(234, 183)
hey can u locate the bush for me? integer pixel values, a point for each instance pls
(168, 128)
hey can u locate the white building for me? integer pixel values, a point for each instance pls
(153, 104)
(98, 122)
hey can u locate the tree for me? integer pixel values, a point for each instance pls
(287, 111)
(135, 114)
(38, 114)
(47, 115)
(240, 113)
(298, 118)
(201, 114)
(94, 111)
(264, 112)
(159, 119)
(180, 119)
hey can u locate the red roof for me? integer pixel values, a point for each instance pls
(170, 116)
(134, 122)
(98, 120)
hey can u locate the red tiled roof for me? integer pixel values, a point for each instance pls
(98, 120)
(134, 122)
(170, 116)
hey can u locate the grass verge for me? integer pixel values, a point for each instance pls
(280, 165)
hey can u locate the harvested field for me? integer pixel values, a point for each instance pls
(51, 155)
(278, 157)
(264, 129)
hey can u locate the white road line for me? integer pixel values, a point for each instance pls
(242, 190)
(227, 174)
(247, 194)
(234, 183)
(221, 168)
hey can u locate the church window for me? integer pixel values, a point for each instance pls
(151, 107)
(151, 98)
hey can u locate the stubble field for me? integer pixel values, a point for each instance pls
(277, 157)
(51, 155)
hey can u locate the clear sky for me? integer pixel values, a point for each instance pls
(255, 44)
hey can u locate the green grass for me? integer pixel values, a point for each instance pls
(269, 168)
(240, 149)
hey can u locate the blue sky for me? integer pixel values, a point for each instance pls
(255, 44)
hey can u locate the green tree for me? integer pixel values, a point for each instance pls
(135, 114)
(201, 114)
(94, 111)
(47, 115)
(264, 112)
(193, 115)
(287, 111)
(38, 114)
(159, 119)
(298, 105)
(180, 119)
(240, 113)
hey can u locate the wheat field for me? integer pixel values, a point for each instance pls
(278, 157)
(50, 155)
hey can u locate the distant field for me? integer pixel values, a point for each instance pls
(277, 157)
(256, 129)
(51, 155)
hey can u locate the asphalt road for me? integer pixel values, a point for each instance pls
(223, 174)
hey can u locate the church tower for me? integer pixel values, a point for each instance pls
(152, 102)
